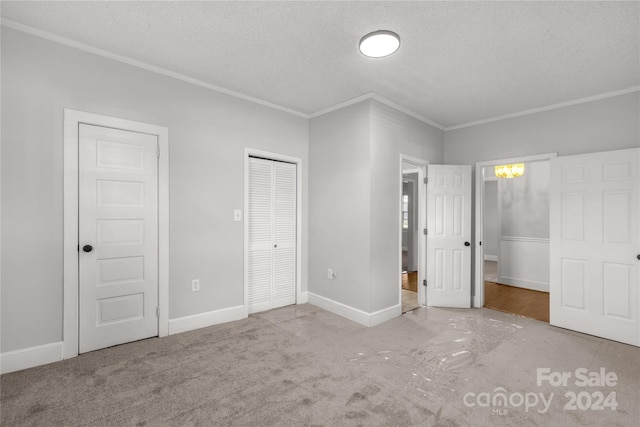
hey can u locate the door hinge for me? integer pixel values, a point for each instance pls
(424, 283)
(426, 180)
(426, 232)
(158, 311)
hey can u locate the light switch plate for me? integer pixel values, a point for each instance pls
(237, 215)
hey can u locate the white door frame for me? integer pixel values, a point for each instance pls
(72, 121)
(421, 169)
(478, 297)
(250, 152)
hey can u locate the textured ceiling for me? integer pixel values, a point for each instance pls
(459, 62)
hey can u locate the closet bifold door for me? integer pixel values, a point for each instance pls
(272, 234)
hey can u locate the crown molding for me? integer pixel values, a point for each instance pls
(341, 105)
(382, 100)
(578, 101)
(373, 96)
(139, 64)
(406, 111)
(178, 76)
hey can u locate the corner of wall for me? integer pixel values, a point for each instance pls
(339, 205)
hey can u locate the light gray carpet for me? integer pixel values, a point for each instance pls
(301, 365)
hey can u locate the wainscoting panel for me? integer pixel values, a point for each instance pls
(524, 262)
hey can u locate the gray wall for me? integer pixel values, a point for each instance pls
(603, 125)
(524, 202)
(607, 124)
(339, 205)
(208, 133)
(490, 232)
(392, 133)
(354, 187)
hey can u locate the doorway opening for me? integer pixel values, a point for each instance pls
(412, 240)
(513, 261)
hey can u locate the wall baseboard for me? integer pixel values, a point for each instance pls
(210, 318)
(303, 298)
(30, 357)
(542, 240)
(385, 314)
(354, 314)
(525, 284)
(491, 258)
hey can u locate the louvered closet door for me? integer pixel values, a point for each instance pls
(272, 234)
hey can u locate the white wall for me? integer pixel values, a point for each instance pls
(208, 134)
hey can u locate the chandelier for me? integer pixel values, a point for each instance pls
(510, 171)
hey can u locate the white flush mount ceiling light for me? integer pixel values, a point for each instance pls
(379, 44)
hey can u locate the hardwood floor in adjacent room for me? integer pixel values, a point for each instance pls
(511, 299)
(410, 281)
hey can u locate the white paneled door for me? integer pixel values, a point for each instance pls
(449, 236)
(118, 236)
(272, 234)
(595, 244)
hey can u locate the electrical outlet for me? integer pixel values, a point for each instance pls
(195, 285)
(330, 274)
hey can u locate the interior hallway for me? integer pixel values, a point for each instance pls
(301, 365)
